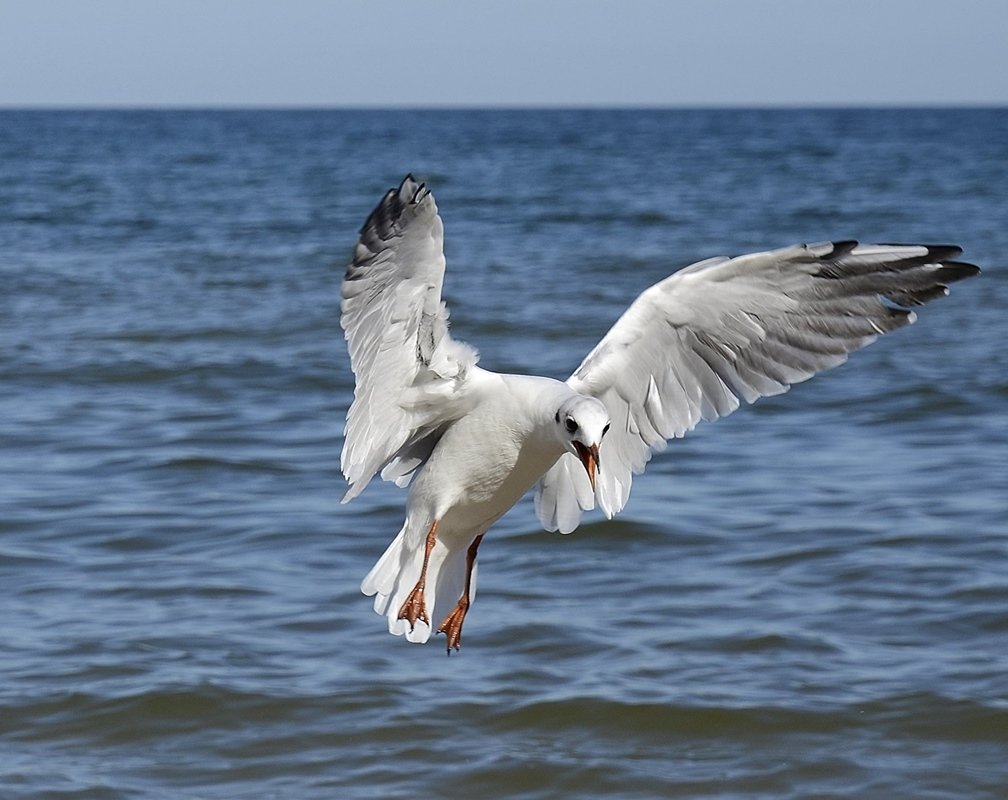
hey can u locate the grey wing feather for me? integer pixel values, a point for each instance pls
(723, 330)
(410, 374)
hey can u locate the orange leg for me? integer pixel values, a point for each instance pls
(451, 627)
(415, 608)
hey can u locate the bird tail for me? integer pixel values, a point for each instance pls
(396, 573)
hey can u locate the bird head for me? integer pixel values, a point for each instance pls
(581, 422)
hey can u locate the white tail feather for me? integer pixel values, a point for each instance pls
(381, 579)
(396, 573)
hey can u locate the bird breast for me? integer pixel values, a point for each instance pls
(480, 468)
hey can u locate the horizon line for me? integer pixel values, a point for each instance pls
(439, 107)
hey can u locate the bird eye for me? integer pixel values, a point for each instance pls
(571, 425)
(605, 430)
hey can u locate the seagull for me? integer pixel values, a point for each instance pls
(470, 443)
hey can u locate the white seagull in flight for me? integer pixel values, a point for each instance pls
(470, 442)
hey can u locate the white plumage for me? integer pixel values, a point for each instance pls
(469, 442)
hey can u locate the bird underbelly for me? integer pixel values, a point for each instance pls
(483, 505)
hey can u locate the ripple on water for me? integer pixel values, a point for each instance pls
(806, 600)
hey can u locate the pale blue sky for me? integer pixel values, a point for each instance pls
(509, 52)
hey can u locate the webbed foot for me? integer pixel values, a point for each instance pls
(451, 626)
(414, 608)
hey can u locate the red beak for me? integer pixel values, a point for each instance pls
(589, 457)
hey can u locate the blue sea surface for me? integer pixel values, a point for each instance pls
(807, 599)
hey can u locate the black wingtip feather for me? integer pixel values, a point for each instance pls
(958, 270)
(935, 252)
(841, 248)
(382, 219)
(386, 222)
(381, 222)
(416, 191)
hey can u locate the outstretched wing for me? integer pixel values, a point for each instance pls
(724, 330)
(411, 375)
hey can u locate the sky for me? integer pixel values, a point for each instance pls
(111, 53)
